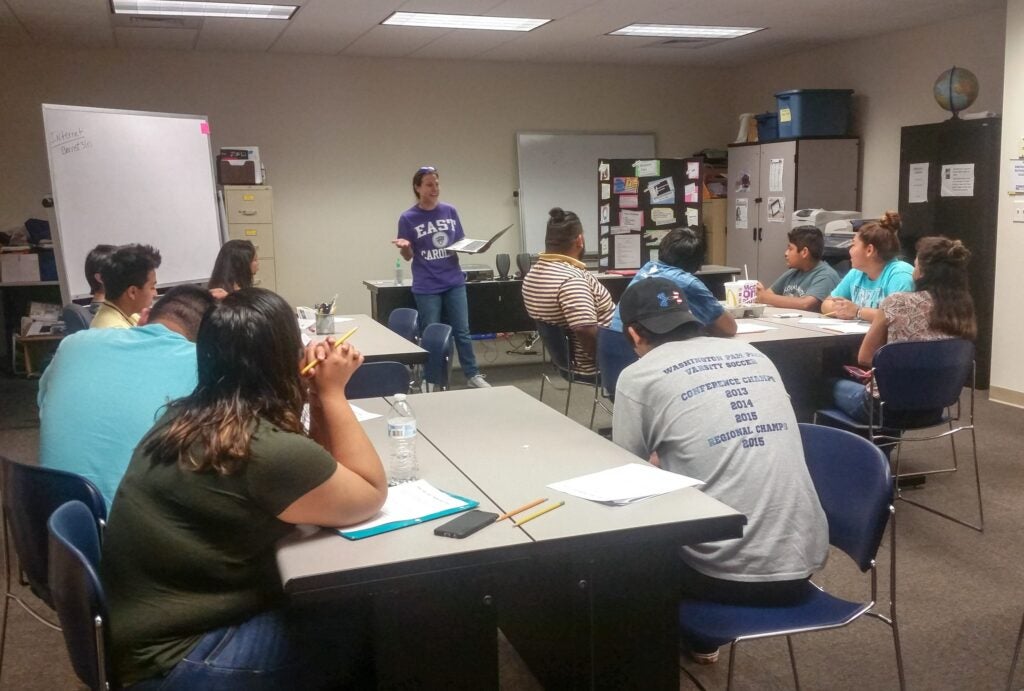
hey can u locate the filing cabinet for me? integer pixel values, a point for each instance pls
(250, 215)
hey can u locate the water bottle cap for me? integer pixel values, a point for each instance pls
(399, 397)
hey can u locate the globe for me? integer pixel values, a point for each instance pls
(956, 89)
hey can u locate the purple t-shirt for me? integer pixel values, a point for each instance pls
(434, 269)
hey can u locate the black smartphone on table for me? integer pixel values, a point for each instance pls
(466, 524)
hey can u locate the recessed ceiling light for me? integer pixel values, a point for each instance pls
(683, 31)
(464, 21)
(187, 8)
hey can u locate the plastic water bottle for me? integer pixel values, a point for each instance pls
(402, 463)
(398, 272)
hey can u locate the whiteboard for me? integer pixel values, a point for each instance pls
(122, 176)
(560, 169)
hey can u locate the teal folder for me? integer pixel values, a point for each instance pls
(357, 534)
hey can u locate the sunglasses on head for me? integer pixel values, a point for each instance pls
(426, 169)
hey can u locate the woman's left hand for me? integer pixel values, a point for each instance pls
(844, 309)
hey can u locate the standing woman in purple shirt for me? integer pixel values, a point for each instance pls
(438, 284)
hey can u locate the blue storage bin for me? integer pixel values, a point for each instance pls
(47, 266)
(814, 112)
(767, 127)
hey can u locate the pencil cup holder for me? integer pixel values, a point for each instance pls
(325, 323)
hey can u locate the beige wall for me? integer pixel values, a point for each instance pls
(1008, 336)
(341, 138)
(892, 77)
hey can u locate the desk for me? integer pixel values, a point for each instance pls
(563, 587)
(377, 342)
(497, 306)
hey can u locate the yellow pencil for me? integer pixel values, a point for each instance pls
(309, 368)
(830, 314)
(543, 511)
(522, 508)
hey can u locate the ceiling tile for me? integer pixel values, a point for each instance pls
(164, 39)
(256, 35)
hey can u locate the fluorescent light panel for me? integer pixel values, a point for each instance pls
(464, 21)
(684, 31)
(184, 8)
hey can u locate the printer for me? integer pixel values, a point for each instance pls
(477, 272)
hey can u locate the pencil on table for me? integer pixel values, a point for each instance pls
(830, 314)
(309, 368)
(522, 508)
(543, 511)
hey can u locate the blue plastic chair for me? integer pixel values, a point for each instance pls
(919, 387)
(558, 345)
(404, 322)
(614, 354)
(851, 476)
(30, 494)
(78, 597)
(375, 379)
(438, 342)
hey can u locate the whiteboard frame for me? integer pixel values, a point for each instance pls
(588, 216)
(65, 289)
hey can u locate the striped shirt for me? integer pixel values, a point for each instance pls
(559, 290)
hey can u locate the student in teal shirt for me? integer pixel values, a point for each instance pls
(876, 274)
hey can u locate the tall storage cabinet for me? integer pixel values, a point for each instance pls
(769, 181)
(250, 214)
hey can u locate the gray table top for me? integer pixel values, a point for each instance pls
(376, 341)
(501, 447)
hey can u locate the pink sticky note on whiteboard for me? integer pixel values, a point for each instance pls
(204, 127)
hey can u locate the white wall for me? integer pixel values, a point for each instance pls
(342, 138)
(1007, 370)
(892, 77)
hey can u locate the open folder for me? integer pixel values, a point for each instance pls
(470, 246)
(409, 504)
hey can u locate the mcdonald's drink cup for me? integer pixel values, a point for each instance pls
(740, 293)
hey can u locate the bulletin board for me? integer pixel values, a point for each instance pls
(639, 201)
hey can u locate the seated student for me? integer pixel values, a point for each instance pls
(188, 555)
(94, 262)
(808, 281)
(559, 289)
(877, 271)
(941, 307)
(234, 268)
(680, 255)
(129, 279)
(105, 388)
(699, 418)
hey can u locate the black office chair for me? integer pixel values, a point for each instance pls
(31, 493)
(919, 387)
(76, 318)
(374, 379)
(438, 342)
(558, 345)
(614, 354)
(78, 597)
(404, 322)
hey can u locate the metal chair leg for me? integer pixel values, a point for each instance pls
(792, 662)
(1016, 656)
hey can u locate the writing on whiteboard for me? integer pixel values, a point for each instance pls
(69, 140)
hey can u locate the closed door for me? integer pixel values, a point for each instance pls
(778, 184)
(742, 223)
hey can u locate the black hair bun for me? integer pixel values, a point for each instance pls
(557, 215)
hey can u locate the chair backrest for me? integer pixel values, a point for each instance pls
(614, 354)
(374, 379)
(78, 596)
(438, 342)
(918, 376)
(556, 342)
(403, 321)
(76, 318)
(852, 478)
(31, 494)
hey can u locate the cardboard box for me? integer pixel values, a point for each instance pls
(19, 267)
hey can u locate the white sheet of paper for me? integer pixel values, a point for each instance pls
(603, 171)
(692, 170)
(631, 220)
(646, 169)
(917, 179)
(776, 209)
(741, 214)
(624, 484)
(362, 415)
(663, 215)
(407, 501)
(1017, 176)
(627, 251)
(690, 194)
(606, 191)
(691, 217)
(749, 327)
(817, 320)
(848, 327)
(957, 180)
(775, 170)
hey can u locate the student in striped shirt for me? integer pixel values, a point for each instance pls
(559, 289)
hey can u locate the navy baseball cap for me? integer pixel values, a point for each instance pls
(657, 304)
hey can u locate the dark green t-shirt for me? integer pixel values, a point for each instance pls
(186, 553)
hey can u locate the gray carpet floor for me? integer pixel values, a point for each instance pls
(960, 593)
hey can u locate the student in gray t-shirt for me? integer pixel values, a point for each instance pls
(808, 281)
(716, 410)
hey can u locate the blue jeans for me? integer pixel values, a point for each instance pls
(293, 648)
(451, 308)
(852, 398)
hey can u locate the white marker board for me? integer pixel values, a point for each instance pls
(120, 177)
(560, 169)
